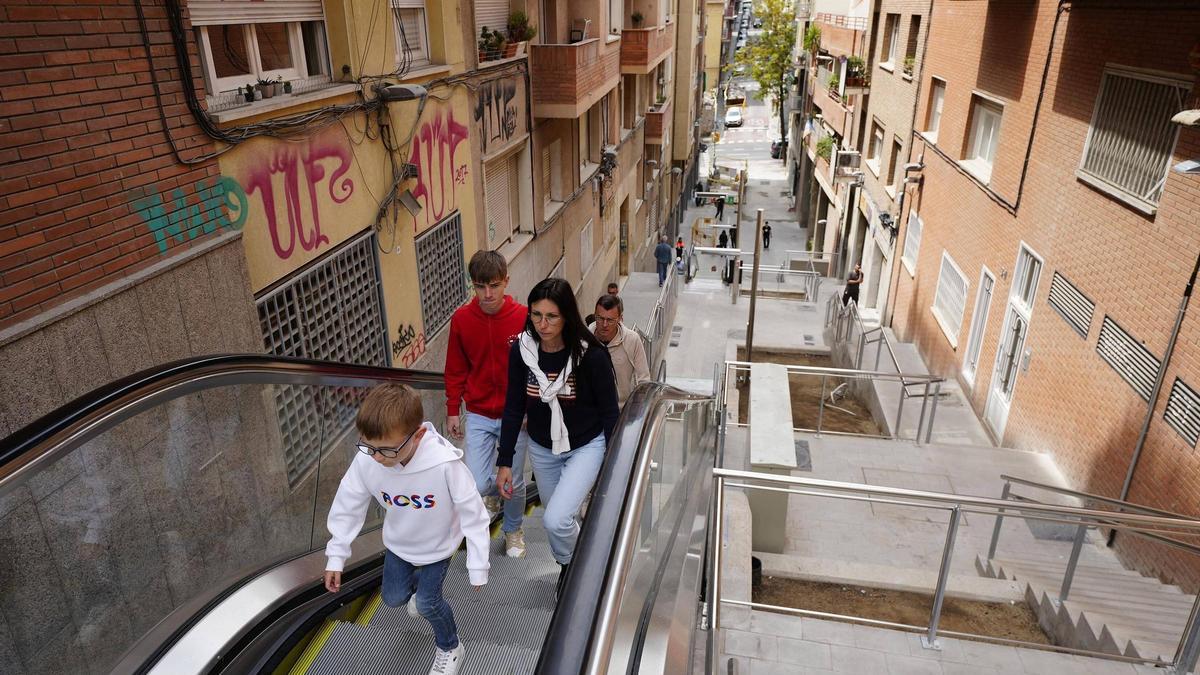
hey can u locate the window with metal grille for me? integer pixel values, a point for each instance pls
(950, 299)
(331, 310)
(912, 243)
(1183, 411)
(442, 272)
(1132, 361)
(1131, 137)
(1074, 307)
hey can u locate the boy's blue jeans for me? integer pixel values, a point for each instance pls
(401, 579)
(564, 481)
(482, 434)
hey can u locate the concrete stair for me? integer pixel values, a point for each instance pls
(1109, 608)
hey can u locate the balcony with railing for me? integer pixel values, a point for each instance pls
(642, 49)
(841, 35)
(832, 107)
(570, 78)
(658, 122)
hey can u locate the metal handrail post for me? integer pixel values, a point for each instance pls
(899, 411)
(937, 393)
(878, 351)
(929, 640)
(921, 417)
(714, 595)
(821, 405)
(862, 344)
(999, 520)
(1189, 643)
(1072, 563)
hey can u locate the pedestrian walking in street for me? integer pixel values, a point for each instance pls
(766, 234)
(625, 347)
(852, 283)
(662, 256)
(720, 207)
(560, 380)
(723, 240)
(612, 288)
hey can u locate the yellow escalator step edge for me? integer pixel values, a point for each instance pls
(364, 617)
(314, 647)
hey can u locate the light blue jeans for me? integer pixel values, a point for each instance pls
(564, 481)
(483, 438)
(402, 580)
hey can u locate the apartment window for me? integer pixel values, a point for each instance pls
(910, 50)
(933, 120)
(891, 36)
(500, 185)
(1025, 281)
(950, 299)
(983, 137)
(875, 148)
(583, 145)
(629, 101)
(586, 258)
(893, 165)
(491, 14)
(412, 34)
(1131, 137)
(983, 304)
(552, 191)
(243, 41)
(912, 243)
(616, 13)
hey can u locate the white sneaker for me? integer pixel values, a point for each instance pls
(514, 544)
(493, 505)
(412, 608)
(447, 663)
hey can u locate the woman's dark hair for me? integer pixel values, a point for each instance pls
(574, 330)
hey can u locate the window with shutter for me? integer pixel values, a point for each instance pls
(912, 243)
(492, 14)
(412, 36)
(498, 187)
(546, 195)
(949, 302)
(1131, 138)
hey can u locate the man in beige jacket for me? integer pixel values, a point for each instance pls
(624, 345)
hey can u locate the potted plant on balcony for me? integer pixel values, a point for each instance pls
(637, 19)
(909, 65)
(812, 39)
(267, 87)
(248, 94)
(491, 44)
(825, 148)
(519, 33)
(856, 72)
(834, 85)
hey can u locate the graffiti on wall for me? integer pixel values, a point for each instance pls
(219, 202)
(289, 179)
(499, 112)
(439, 171)
(408, 346)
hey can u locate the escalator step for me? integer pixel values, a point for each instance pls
(535, 593)
(314, 648)
(355, 650)
(476, 620)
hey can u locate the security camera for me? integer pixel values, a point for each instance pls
(914, 166)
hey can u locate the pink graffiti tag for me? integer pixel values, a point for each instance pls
(433, 149)
(291, 162)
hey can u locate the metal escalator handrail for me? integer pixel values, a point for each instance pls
(1127, 506)
(580, 633)
(40, 443)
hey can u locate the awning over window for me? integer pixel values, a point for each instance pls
(215, 12)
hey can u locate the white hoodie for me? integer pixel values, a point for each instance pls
(431, 504)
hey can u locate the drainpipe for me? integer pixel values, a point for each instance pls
(1158, 382)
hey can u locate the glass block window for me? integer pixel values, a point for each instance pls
(442, 272)
(330, 310)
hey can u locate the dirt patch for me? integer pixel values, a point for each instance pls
(993, 619)
(806, 396)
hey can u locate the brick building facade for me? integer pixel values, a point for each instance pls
(1044, 269)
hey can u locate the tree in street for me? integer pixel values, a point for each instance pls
(769, 58)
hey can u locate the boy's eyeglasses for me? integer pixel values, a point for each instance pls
(390, 453)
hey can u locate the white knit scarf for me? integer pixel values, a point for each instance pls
(550, 391)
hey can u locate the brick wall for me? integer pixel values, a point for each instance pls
(1069, 402)
(80, 142)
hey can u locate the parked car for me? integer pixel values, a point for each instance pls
(778, 147)
(733, 117)
(758, 23)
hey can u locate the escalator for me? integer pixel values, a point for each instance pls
(174, 522)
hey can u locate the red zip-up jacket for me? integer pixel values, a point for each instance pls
(477, 356)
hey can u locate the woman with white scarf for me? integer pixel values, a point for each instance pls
(561, 382)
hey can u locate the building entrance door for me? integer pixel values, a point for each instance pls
(1011, 352)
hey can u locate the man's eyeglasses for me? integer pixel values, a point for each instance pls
(390, 453)
(601, 321)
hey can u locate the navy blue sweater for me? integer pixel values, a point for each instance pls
(589, 411)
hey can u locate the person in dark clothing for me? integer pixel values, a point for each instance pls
(723, 240)
(852, 283)
(766, 234)
(679, 248)
(662, 256)
(561, 382)
(699, 197)
(720, 202)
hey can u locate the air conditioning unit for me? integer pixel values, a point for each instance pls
(847, 159)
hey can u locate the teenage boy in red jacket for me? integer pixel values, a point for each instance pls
(481, 337)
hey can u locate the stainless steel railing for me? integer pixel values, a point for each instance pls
(658, 325)
(1006, 494)
(851, 340)
(1188, 646)
(929, 395)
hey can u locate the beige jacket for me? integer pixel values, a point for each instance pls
(629, 360)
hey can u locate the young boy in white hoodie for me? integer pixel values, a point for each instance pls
(431, 503)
